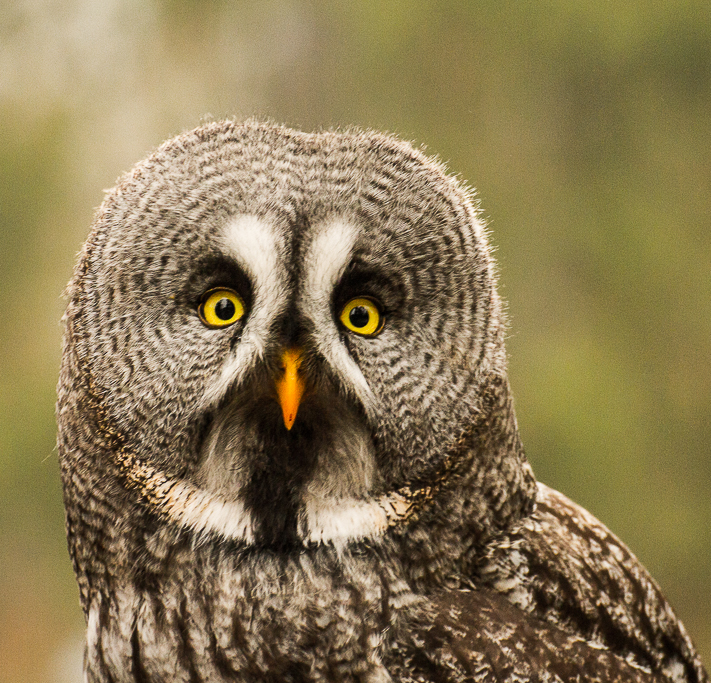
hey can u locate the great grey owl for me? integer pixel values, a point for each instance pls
(288, 444)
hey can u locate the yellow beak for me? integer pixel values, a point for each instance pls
(290, 387)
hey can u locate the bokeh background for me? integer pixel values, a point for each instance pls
(585, 127)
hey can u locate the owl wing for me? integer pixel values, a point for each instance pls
(566, 569)
(478, 636)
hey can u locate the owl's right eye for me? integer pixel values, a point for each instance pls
(221, 307)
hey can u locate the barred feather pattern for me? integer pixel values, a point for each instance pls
(396, 533)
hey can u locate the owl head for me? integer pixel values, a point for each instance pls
(285, 340)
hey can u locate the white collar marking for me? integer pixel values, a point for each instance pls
(337, 522)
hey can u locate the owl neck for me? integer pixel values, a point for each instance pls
(153, 592)
(481, 486)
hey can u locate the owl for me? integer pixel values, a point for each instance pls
(288, 444)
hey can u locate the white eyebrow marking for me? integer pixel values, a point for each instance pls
(254, 243)
(257, 246)
(326, 259)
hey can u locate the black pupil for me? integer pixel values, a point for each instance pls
(225, 309)
(359, 316)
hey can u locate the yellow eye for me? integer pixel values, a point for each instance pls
(220, 307)
(362, 316)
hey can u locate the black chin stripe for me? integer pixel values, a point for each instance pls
(273, 503)
(274, 490)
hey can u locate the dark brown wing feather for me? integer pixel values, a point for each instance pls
(564, 567)
(479, 636)
(485, 638)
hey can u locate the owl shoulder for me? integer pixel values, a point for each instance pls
(566, 568)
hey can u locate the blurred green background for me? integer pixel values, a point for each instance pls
(584, 126)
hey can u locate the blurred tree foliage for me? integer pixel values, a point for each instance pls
(585, 127)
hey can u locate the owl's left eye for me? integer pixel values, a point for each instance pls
(363, 316)
(220, 307)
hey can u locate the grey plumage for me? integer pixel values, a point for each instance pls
(396, 532)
